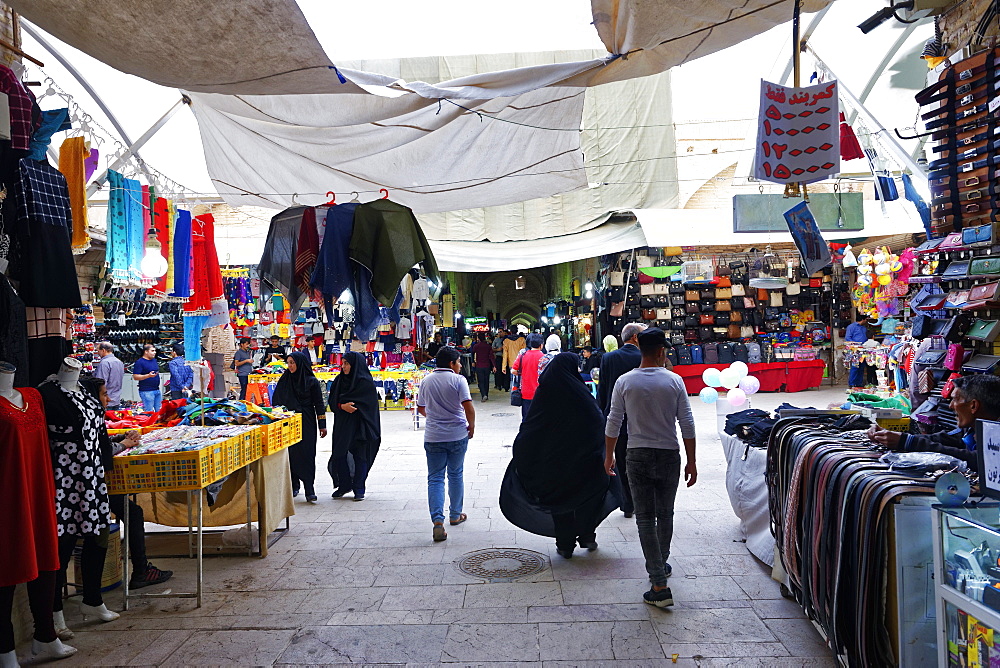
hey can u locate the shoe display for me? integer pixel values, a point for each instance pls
(152, 576)
(661, 599)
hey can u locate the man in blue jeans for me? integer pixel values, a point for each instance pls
(445, 400)
(656, 401)
(146, 370)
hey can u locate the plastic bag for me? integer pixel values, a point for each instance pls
(921, 463)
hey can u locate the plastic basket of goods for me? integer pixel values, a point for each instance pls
(295, 429)
(163, 471)
(804, 354)
(275, 436)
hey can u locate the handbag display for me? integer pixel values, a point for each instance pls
(672, 251)
(746, 332)
(985, 266)
(707, 294)
(748, 302)
(980, 236)
(723, 305)
(677, 312)
(615, 278)
(645, 279)
(692, 307)
(705, 334)
(723, 293)
(647, 289)
(677, 300)
(793, 288)
(959, 269)
(676, 289)
(931, 357)
(691, 335)
(777, 298)
(691, 295)
(723, 282)
(950, 242)
(691, 321)
(738, 290)
(737, 303)
(981, 364)
(660, 289)
(707, 305)
(735, 332)
(984, 330)
(649, 314)
(677, 338)
(736, 316)
(982, 296)
(954, 357)
(663, 314)
(617, 309)
(706, 319)
(722, 319)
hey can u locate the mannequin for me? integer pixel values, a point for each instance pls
(7, 390)
(74, 419)
(27, 489)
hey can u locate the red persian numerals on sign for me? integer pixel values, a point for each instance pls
(798, 139)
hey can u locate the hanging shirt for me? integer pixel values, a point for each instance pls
(420, 289)
(404, 329)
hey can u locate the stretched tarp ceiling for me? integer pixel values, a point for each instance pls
(266, 47)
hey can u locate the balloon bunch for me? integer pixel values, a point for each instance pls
(882, 278)
(736, 378)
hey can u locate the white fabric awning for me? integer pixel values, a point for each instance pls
(714, 227)
(483, 256)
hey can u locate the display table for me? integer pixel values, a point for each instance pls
(794, 376)
(746, 467)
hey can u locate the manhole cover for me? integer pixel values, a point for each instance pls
(502, 564)
(502, 414)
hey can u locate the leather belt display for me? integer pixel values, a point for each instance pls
(939, 90)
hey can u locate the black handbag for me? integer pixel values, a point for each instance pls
(647, 302)
(677, 300)
(676, 288)
(737, 303)
(515, 397)
(722, 319)
(931, 357)
(691, 321)
(707, 305)
(705, 333)
(691, 307)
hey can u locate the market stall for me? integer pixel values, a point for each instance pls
(789, 376)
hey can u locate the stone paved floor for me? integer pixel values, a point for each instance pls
(362, 583)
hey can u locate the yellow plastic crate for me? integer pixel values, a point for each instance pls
(395, 405)
(294, 434)
(168, 471)
(275, 436)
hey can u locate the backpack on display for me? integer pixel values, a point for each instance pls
(726, 355)
(672, 355)
(753, 353)
(697, 357)
(684, 355)
(710, 352)
(741, 353)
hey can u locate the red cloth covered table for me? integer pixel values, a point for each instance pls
(795, 376)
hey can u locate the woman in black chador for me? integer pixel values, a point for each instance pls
(556, 484)
(357, 428)
(298, 390)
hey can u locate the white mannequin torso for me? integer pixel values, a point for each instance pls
(69, 375)
(7, 390)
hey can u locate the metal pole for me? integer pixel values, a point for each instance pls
(793, 189)
(249, 515)
(124, 534)
(201, 521)
(133, 147)
(190, 528)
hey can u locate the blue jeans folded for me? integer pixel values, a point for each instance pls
(441, 457)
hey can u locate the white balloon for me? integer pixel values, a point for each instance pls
(741, 368)
(736, 397)
(730, 378)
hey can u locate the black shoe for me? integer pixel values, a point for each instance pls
(589, 545)
(661, 599)
(341, 492)
(668, 569)
(311, 498)
(628, 515)
(152, 576)
(565, 554)
(295, 492)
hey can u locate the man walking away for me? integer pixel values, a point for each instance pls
(111, 370)
(445, 401)
(526, 368)
(614, 365)
(500, 378)
(243, 364)
(482, 361)
(656, 401)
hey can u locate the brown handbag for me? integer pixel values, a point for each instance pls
(736, 316)
(691, 295)
(723, 305)
(734, 331)
(762, 295)
(723, 293)
(649, 314)
(706, 319)
(617, 309)
(692, 308)
(983, 292)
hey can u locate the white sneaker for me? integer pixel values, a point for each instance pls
(44, 651)
(9, 660)
(101, 612)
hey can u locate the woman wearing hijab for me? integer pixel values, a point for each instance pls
(553, 346)
(556, 484)
(357, 429)
(298, 390)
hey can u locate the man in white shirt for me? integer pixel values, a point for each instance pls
(445, 400)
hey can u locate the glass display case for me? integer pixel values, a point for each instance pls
(967, 577)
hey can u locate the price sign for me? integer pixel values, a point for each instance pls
(988, 440)
(798, 133)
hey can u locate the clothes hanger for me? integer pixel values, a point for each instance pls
(385, 193)
(354, 200)
(333, 199)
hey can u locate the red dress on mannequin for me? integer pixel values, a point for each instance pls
(27, 492)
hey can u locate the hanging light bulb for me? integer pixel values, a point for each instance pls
(545, 320)
(556, 320)
(153, 263)
(588, 286)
